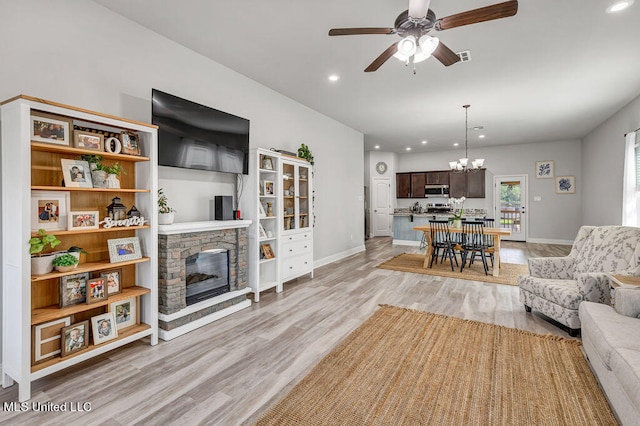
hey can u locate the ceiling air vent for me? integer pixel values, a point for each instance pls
(465, 55)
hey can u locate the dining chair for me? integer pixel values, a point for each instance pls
(441, 240)
(473, 241)
(491, 249)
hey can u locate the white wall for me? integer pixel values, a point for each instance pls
(602, 162)
(79, 53)
(556, 218)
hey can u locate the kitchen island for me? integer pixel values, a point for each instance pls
(404, 221)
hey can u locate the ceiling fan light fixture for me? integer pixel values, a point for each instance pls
(420, 56)
(428, 44)
(619, 6)
(407, 46)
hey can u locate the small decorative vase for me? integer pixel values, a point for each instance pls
(269, 209)
(41, 265)
(112, 181)
(165, 218)
(457, 223)
(99, 178)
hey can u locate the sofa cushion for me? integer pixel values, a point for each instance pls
(608, 331)
(561, 292)
(627, 302)
(609, 249)
(625, 365)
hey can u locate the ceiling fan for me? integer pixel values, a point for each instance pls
(414, 24)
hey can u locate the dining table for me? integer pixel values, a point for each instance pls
(497, 233)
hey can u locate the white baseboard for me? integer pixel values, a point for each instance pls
(549, 241)
(338, 256)
(179, 331)
(406, 243)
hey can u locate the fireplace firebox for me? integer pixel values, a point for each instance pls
(207, 275)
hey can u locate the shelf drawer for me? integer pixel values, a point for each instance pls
(296, 266)
(300, 236)
(296, 248)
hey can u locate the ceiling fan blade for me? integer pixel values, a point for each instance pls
(445, 55)
(418, 8)
(356, 31)
(496, 11)
(391, 50)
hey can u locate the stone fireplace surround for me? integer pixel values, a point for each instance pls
(178, 241)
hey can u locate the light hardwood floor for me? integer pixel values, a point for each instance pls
(231, 371)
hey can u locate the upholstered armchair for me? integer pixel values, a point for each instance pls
(557, 285)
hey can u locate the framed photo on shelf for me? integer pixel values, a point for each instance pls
(544, 169)
(130, 143)
(269, 187)
(267, 163)
(47, 341)
(73, 289)
(76, 173)
(267, 251)
(75, 338)
(566, 185)
(113, 280)
(96, 290)
(122, 249)
(83, 220)
(88, 140)
(50, 128)
(49, 210)
(261, 231)
(104, 328)
(126, 312)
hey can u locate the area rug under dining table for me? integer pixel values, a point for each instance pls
(406, 367)
(412, 262)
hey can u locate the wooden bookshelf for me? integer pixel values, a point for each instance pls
(87, 267)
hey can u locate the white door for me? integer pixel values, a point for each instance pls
(509, 205)
(381, 204)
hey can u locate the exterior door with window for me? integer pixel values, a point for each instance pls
(510, 196)
(381, 203)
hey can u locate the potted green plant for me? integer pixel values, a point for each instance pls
(165, 213)
(305, 152)
(103, 175)
(42, 263)
(77, 252)
(65, 262)
(458, 211)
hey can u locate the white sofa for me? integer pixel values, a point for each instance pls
(611, 341)
(557, 285)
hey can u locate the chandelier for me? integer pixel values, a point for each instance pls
(462, 165)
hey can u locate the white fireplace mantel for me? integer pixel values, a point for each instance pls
(209, 225)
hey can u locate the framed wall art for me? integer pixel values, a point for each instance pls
(544, 169)
(126, 312)
(73, 289)
(566, 185)
(104, 328)
(76, 173)
(75, 338)
(122, 249)
(50, 128)
(83, 220)
(88, 140)
(47, 340)
(113, 279)
(49, 210)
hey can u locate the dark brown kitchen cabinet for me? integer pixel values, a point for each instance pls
(403, 185)
(469, 185)
(417, 184)
(437, 178)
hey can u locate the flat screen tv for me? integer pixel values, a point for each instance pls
(194, 136)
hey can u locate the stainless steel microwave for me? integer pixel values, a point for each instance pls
(436, 191)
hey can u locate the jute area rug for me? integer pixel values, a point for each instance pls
(404, 367)
(411, 262)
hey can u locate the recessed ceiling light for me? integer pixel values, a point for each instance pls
(408, 148)
(481, 136)
(456, 144)
(377, 147)
(619, 6)
(334, 77)
(424, 142)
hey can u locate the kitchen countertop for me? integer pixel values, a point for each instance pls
(407, 213)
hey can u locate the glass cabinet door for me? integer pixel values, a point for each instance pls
(304, 198)
(289, 196)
